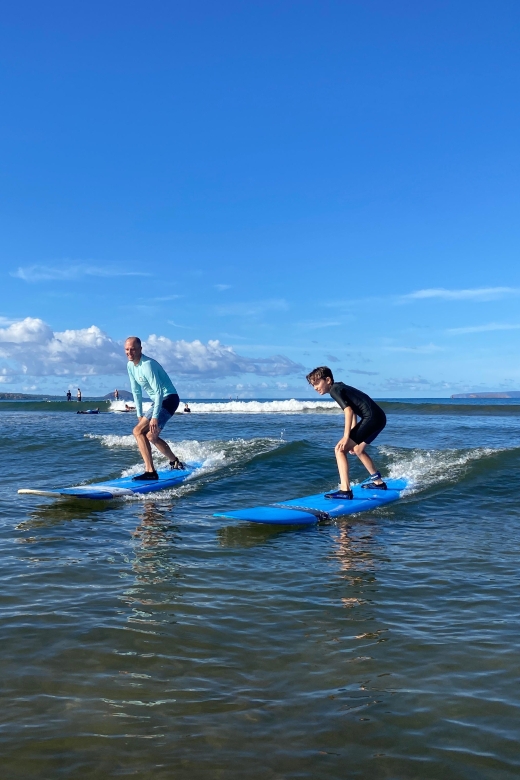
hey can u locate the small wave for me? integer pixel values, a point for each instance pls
(214, 454)
(424, 468)
(127, 406)
(323, 406)
(446, 408)
(251, 407)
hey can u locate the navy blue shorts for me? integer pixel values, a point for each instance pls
(167, 410)
(367, 429)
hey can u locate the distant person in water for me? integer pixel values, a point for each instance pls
(187, 409)
(78, 394)
(116, 394)
(357, 435)
(69, 395)
(147, 374)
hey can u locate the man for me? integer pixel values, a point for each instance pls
(147, 374)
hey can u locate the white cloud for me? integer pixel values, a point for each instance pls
(44, 273)
(472, 294)
(491, 326)
(31, 348)
(213, 359)
(359, 371)
(425, 349)
(222, 287)
(176, 325)
(315, 324)
(414, 383)
(30, 329)
(254, 308)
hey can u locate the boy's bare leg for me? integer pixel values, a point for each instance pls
(341, 460)
(366, 460)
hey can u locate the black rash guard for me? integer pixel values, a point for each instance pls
(360, 403)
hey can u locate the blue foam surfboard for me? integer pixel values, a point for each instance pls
(114, 488)
(312, 509)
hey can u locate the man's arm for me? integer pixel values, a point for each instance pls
(137, 393)
(156, 389)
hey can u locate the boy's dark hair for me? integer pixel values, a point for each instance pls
(322, 372)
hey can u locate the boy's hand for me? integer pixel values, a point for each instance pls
(342, 444)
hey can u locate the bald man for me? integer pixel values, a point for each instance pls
(147, 374)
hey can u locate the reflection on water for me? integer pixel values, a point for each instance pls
(254, 534)
(50, 513)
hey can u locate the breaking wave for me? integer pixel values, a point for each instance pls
(425, 468)
(213, 455)
(246, 407)
(322, 406)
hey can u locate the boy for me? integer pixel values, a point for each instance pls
(356, 436)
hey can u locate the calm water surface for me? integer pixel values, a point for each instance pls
(146, 638)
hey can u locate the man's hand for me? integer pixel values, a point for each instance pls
(154, 428)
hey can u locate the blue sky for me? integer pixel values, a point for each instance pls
(256, 188)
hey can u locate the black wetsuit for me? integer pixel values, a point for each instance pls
(373, 419)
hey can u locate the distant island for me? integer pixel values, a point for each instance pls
(124, 395)
(505, 394)
(24, 397)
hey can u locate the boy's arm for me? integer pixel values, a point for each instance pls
(349, 414)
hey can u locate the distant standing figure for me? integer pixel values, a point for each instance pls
(187, 409)
(78, 394)
(69, 395)
(116, 394)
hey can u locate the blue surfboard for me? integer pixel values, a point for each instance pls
(313, 509)
(115, 488)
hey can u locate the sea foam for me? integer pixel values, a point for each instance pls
(425, 468)
(291, 406)
(213, 455)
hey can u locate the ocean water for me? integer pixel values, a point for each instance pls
(145, 638)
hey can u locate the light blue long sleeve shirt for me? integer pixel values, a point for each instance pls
(150, 376)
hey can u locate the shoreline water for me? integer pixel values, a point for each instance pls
(144, 634)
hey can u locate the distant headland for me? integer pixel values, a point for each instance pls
(124, 395)
(505, 394)
(25, 397)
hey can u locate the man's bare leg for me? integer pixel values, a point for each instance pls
(140, 431)
(162, 446)
(144, 438)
